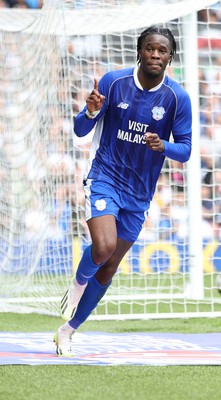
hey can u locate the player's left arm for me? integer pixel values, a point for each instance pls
(180, 148)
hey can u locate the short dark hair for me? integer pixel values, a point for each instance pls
(159, 31)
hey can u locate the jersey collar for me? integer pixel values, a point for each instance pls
(137, 82)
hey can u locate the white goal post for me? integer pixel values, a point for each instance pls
(49, 58)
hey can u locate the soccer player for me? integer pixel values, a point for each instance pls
(134, 111)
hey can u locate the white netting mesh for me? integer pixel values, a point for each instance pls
(48, 61)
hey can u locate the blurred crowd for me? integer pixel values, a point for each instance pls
(40, 160)
(33, 4)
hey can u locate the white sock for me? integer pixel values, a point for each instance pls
(76, 291)
(67, 328)
(78, 285)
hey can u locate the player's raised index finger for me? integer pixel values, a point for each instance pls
(96, 84)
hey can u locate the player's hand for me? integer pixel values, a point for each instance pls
(95, 100)
(153, 142)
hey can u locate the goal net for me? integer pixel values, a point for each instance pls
(48, 60)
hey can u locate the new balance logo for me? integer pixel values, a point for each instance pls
(123, 105)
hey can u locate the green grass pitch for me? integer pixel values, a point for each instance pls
(69, 382)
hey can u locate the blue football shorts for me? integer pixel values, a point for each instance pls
(102, 198)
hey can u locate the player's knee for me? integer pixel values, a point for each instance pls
(103, 250)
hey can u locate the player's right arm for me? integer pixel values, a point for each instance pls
(92, 112)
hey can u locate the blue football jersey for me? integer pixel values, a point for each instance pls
(119, 154)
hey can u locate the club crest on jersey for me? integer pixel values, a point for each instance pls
(100, 204)
(158, 113)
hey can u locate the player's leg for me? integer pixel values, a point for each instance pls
(99, 283)
(128, 225)
(104, 239)
(95, 290)
(101, 210)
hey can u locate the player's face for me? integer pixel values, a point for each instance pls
(155, 54)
